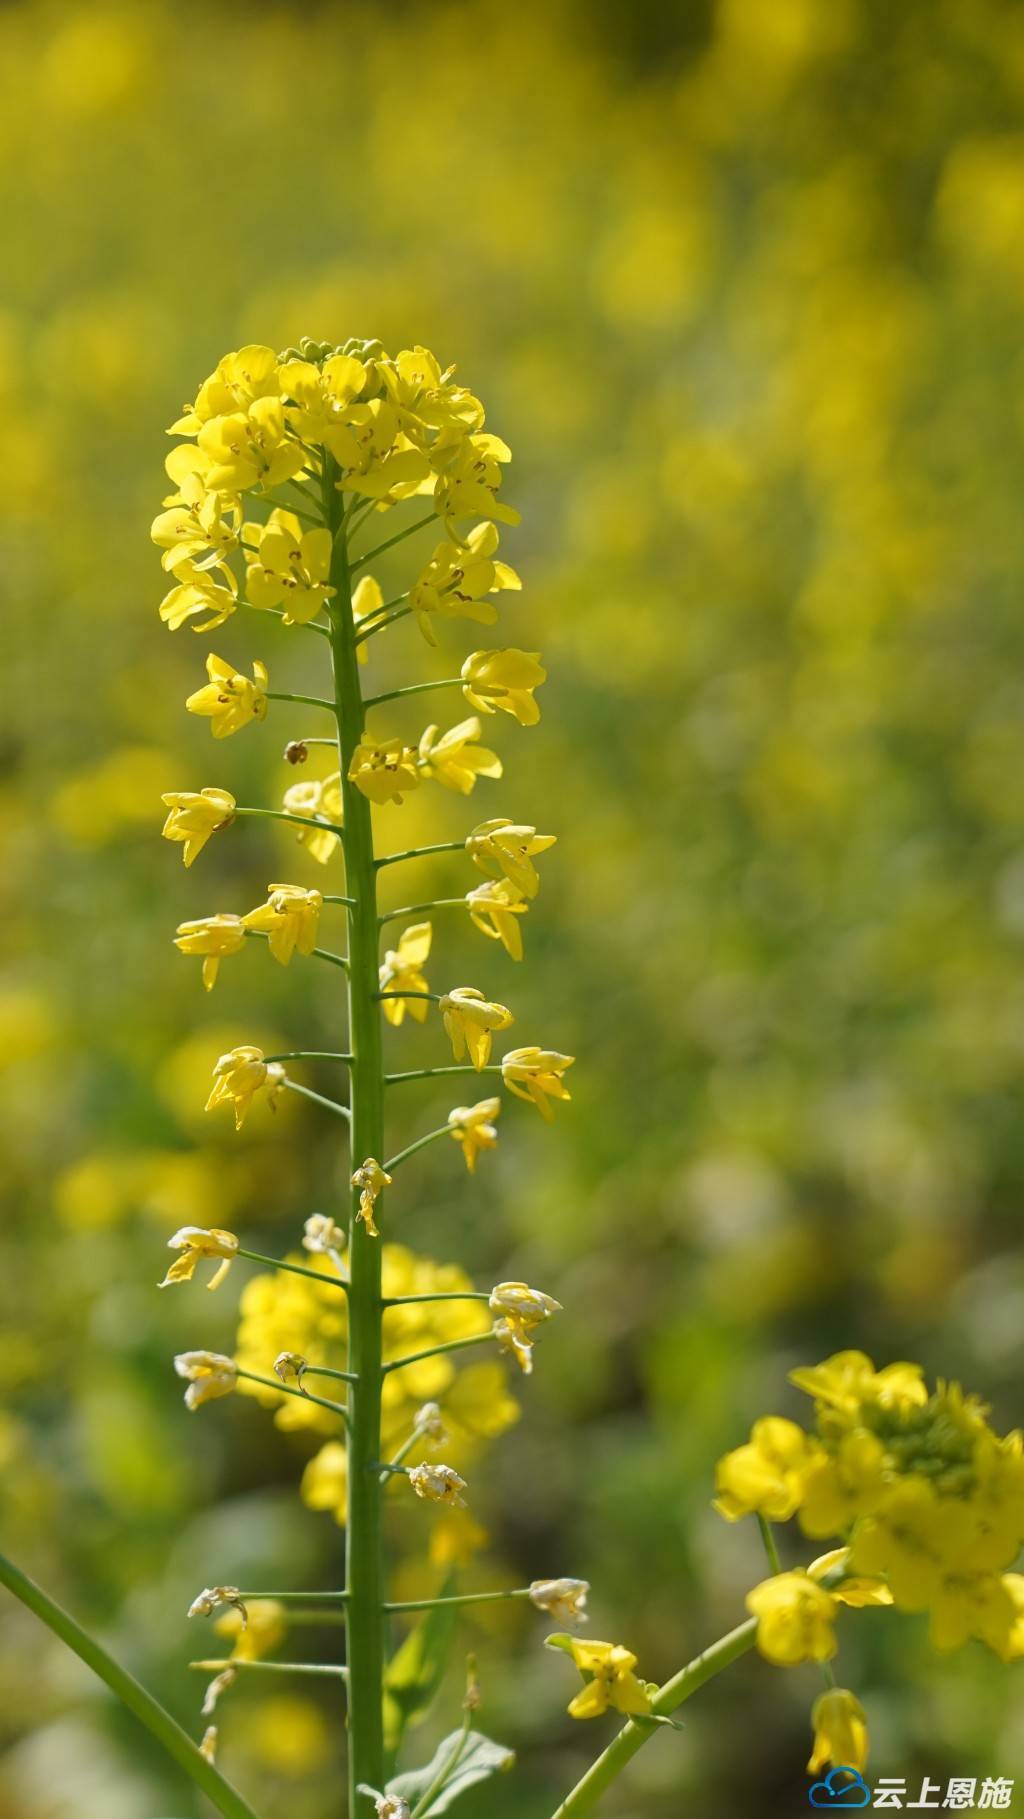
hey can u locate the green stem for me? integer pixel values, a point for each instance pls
(429, 1604)
(271, 1383)
(431, 997)
(294, 1269)
(430, 1073)
(347, 902)
(435, 1351)
(304, 700)
(306, 1092)
(282, 814)
(307, 625)
(270, 1667)
(396, 1460)
(768, 1539)
(159, 1722)
(399, 537)
(447, 1768)
(364, 1558)
(462, 1294)
(443, 1130)
(381, 624)
(324, 1370)
(301, 1598)
(309, 1054)
(416, 909)
(633, 1736)
(419, 852)
(317, 953)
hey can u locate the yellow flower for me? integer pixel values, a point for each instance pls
(563, 1599)
(194, 816)
(213, 937)
(230, 700)
(472, 1126)
(437, 1484)
(840, 1727)
(290, 919)
(401, 971)
(535, 1074)
(471, 1020)
(366, 600)
(493, 908)
(250, 448)
(457, 579)
(504, 849)
(325, 1479)
(323, 395)
(860, 1593)
(431, 410)
(384, 769)
(289, 567)
(237, 381)
(201, 528)
(468, 487)
(315, 798)
(520, 1309)
(611, 1681)
(239, 1075)
(504, 679)
(766, 1475)
(848, 1379)
(371, 1180)
(208, 1375)
(454, 758)
(199, 590)
(794, 1619)
(842, 1484)
(909, 1540)
(194, 1244)
(264, 1626)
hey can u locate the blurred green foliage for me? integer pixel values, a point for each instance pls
(741, 282)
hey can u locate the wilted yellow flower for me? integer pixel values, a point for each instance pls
(520, 1309)
(208, 1747)
(504, 679)
(535, 1074)
(239, 1075)
(494, 907)
(230, 700)
(469, 485)
(193, 816)
(213, 1596)
(289, 567)
(401, 971)
(371, 1181)
(195, 1243)
(321, 1234)
(472, 1126)
(471, 1020)
(290, 919)
(316, 797)
(457, 579)
(795, 1618)
(213, 591)
(563, 1599)
(454, 758)
(213, 937)
(766, 1475)
(209, 1375)
(437, 1484)
(504, 849)
(611, 1681)
(840, 1727)
(383, 770)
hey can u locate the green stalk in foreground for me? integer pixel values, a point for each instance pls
(159, 1722)
(364, 1567)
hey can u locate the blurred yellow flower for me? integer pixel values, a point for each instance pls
(314, 797)
(193, 817)
(505, 849)
(239, 1075)
(504, 679)
(230, 700)
(383, 771)
(471, 1021)
(289, 567)
(563, 1599)
(840, 1727)
(213, 937)
(194, 1244)
(454, 758)
(367, 600)
(535, 1074)
(264, 1626)
(209, 1375)
(290, 919)
(473, 1127)
(401, 971)
(494, 907)
(766, 1475)
(795, 1618)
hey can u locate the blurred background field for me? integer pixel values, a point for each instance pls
(741, 282)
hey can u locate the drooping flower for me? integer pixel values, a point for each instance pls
(437, 1484)
(454, 759)
(840, 1727)
(213, 937)
(290, 919)
(494, 908)
(472, 1126)
(535, 1074)
(401, 971)
(608, 1669)
(209, 1375)
(195, 1243)
(766, 1475)
(239, 1075)
(371, 1180)
(563, 1599)
(289, 567)
(520, 1310)
(230, 700)
(194, 816)
(212, 1597)
(471, 1021)
(504, 679)
(795, 1618)
(313, 798)
(384, 770)
(504, 849)
(213, 591)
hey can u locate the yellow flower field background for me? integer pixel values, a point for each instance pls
(742, 282)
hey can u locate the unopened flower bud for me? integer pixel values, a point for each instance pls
(429, 1421)
(289, 1366)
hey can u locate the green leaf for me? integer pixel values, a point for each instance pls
(414, 1673)
(478, 1759)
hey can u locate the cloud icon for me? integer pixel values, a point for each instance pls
(832, 1792)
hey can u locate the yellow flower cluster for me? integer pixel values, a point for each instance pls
(288, 1313)
(927, 1498)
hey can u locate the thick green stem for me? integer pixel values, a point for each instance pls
(600, 1775)
(364, 1563)
(163, 1727)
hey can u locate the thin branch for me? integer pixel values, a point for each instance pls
(399, 537)
(381, 625)
(271, 1383)
(316, 953)
(423, 852)
(430, 1604)
(432, 1073)
(418, 909)
(393, 1162)
(306, 1092)
(295, 1269)
(323, 1370)
(413, 688)
(272, 1667)
(282, 814)
(430, 997)
(308, 1054)
(461, 1294)
(303, 700)
(435, 1351)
